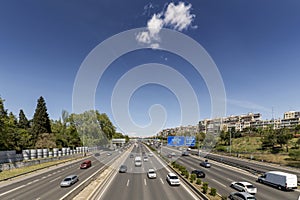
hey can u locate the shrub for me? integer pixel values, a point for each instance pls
(186, 174)
(213, 191)
(224, 197)
(198, 182)
(192, 178)
(204, 187)
(173, 163)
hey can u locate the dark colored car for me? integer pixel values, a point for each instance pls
(86, 164)
(97, 154)
(199, 173)
(131, 156)
(205, 164)
(123, 169)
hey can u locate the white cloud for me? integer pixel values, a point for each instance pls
(176, 16)
(154, 45)
(143, 37)
(154, 26)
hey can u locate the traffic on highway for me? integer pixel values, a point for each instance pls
(148, 178)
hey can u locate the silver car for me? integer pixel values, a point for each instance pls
(69, 180)
(244, 187)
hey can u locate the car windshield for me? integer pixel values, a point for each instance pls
(67, 179)
(173, 177)
(250, 186)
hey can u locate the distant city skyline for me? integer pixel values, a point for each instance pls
(255, 46)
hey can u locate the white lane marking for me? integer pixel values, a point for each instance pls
(35, 180)
(54, 179)
(218, 182)
(145, 182)
(229, 179)
(127, 183)
(162, 181)
(12, 190)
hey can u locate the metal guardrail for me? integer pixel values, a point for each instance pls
(235, 164)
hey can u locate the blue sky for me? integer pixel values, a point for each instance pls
(254, 44)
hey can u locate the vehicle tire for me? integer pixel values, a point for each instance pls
(279, 187)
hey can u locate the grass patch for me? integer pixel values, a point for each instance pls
(248, 147)
(4, 175)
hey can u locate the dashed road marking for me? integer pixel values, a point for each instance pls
(218, 182)
(54, 179)
(127, 183)
(145, 182)
(162, 181)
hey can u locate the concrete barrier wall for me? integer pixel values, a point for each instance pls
(10, 166)
(32, 154)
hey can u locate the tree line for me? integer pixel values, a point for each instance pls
(71, 130)
(270, 138)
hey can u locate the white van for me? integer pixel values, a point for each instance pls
(281, 180)
(138, 161)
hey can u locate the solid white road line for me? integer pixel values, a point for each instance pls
(183, 185)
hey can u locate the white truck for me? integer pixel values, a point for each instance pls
(281, 180)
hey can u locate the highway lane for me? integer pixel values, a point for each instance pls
(46, 185)
(220, 176)
(135, 184)
(260, 166)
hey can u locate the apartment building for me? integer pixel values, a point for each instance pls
(253, 120)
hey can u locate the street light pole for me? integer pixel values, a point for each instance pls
(230, 142)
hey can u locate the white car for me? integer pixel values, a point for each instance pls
(173, 179)
(151, 173)
(69, 180)
(244, 187)
(145, 159)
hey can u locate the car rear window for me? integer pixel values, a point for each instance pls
(250, 186)
(67, 179)
(173, 177)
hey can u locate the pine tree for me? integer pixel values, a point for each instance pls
(41, 121)
(23, 121)
(3, 121)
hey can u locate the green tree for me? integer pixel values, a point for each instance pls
(41, 122)
(23, 121)
(225, 137)
(106, 125)
(283, 137)
(45, 140)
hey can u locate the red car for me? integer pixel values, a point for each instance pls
(86, 164)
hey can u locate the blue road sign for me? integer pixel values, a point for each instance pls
(176, 141)
(190, 141)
